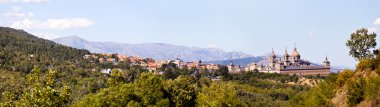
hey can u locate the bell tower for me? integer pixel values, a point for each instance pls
(285, 58)
(326, 63)
(272, 59)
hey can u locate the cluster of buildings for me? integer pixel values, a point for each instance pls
(285, 64)
(181, 64)
(115, 58)
(149, 63)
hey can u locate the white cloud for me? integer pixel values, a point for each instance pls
(372, 30)
(23, 1)
(16, 12)
(52, 23)
(46, 35)
(67, 23)
(25, 24)
(377, 21)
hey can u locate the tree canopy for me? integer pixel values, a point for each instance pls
(362, 44)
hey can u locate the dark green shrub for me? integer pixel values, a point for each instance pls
(355, 91)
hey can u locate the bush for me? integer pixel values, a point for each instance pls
(368, 64)
(372, 88)
(343, 77)
(355, 91)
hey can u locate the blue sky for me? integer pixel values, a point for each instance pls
(251, 26)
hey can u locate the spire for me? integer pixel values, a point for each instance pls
(295, 46)
(286, 51)
(326, 59)
(232, 62)
(273, 54)
(286, 55)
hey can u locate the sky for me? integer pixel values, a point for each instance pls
(318, 27)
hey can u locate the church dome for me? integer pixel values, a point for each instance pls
(295, 53)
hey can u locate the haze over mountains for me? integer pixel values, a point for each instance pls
(158, 51)
(161, 51)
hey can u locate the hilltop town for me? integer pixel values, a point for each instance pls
(189, 53)
(35, 70)
(286, 64)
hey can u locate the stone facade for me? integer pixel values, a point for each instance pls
(291, 64)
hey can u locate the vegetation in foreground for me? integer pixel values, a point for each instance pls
(37, 72)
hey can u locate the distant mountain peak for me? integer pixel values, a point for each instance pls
(72, 40)
(159, 51)
(71, 37)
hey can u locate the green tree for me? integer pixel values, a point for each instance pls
(42, 92)
(218, 94)
(223, 71)
(146, 91)
(150, 89)
(116, 78)
(114, 96)
(168, 74)
(361, 43)
(182, 90)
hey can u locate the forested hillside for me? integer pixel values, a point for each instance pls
(38, 72)
(29, 63)
(22, 51)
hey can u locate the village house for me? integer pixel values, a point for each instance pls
(235, 68)
(152, 66)
(122, 57)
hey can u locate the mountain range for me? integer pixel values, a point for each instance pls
(159, 51)
(162, 51)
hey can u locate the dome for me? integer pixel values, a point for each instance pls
(295, 53)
